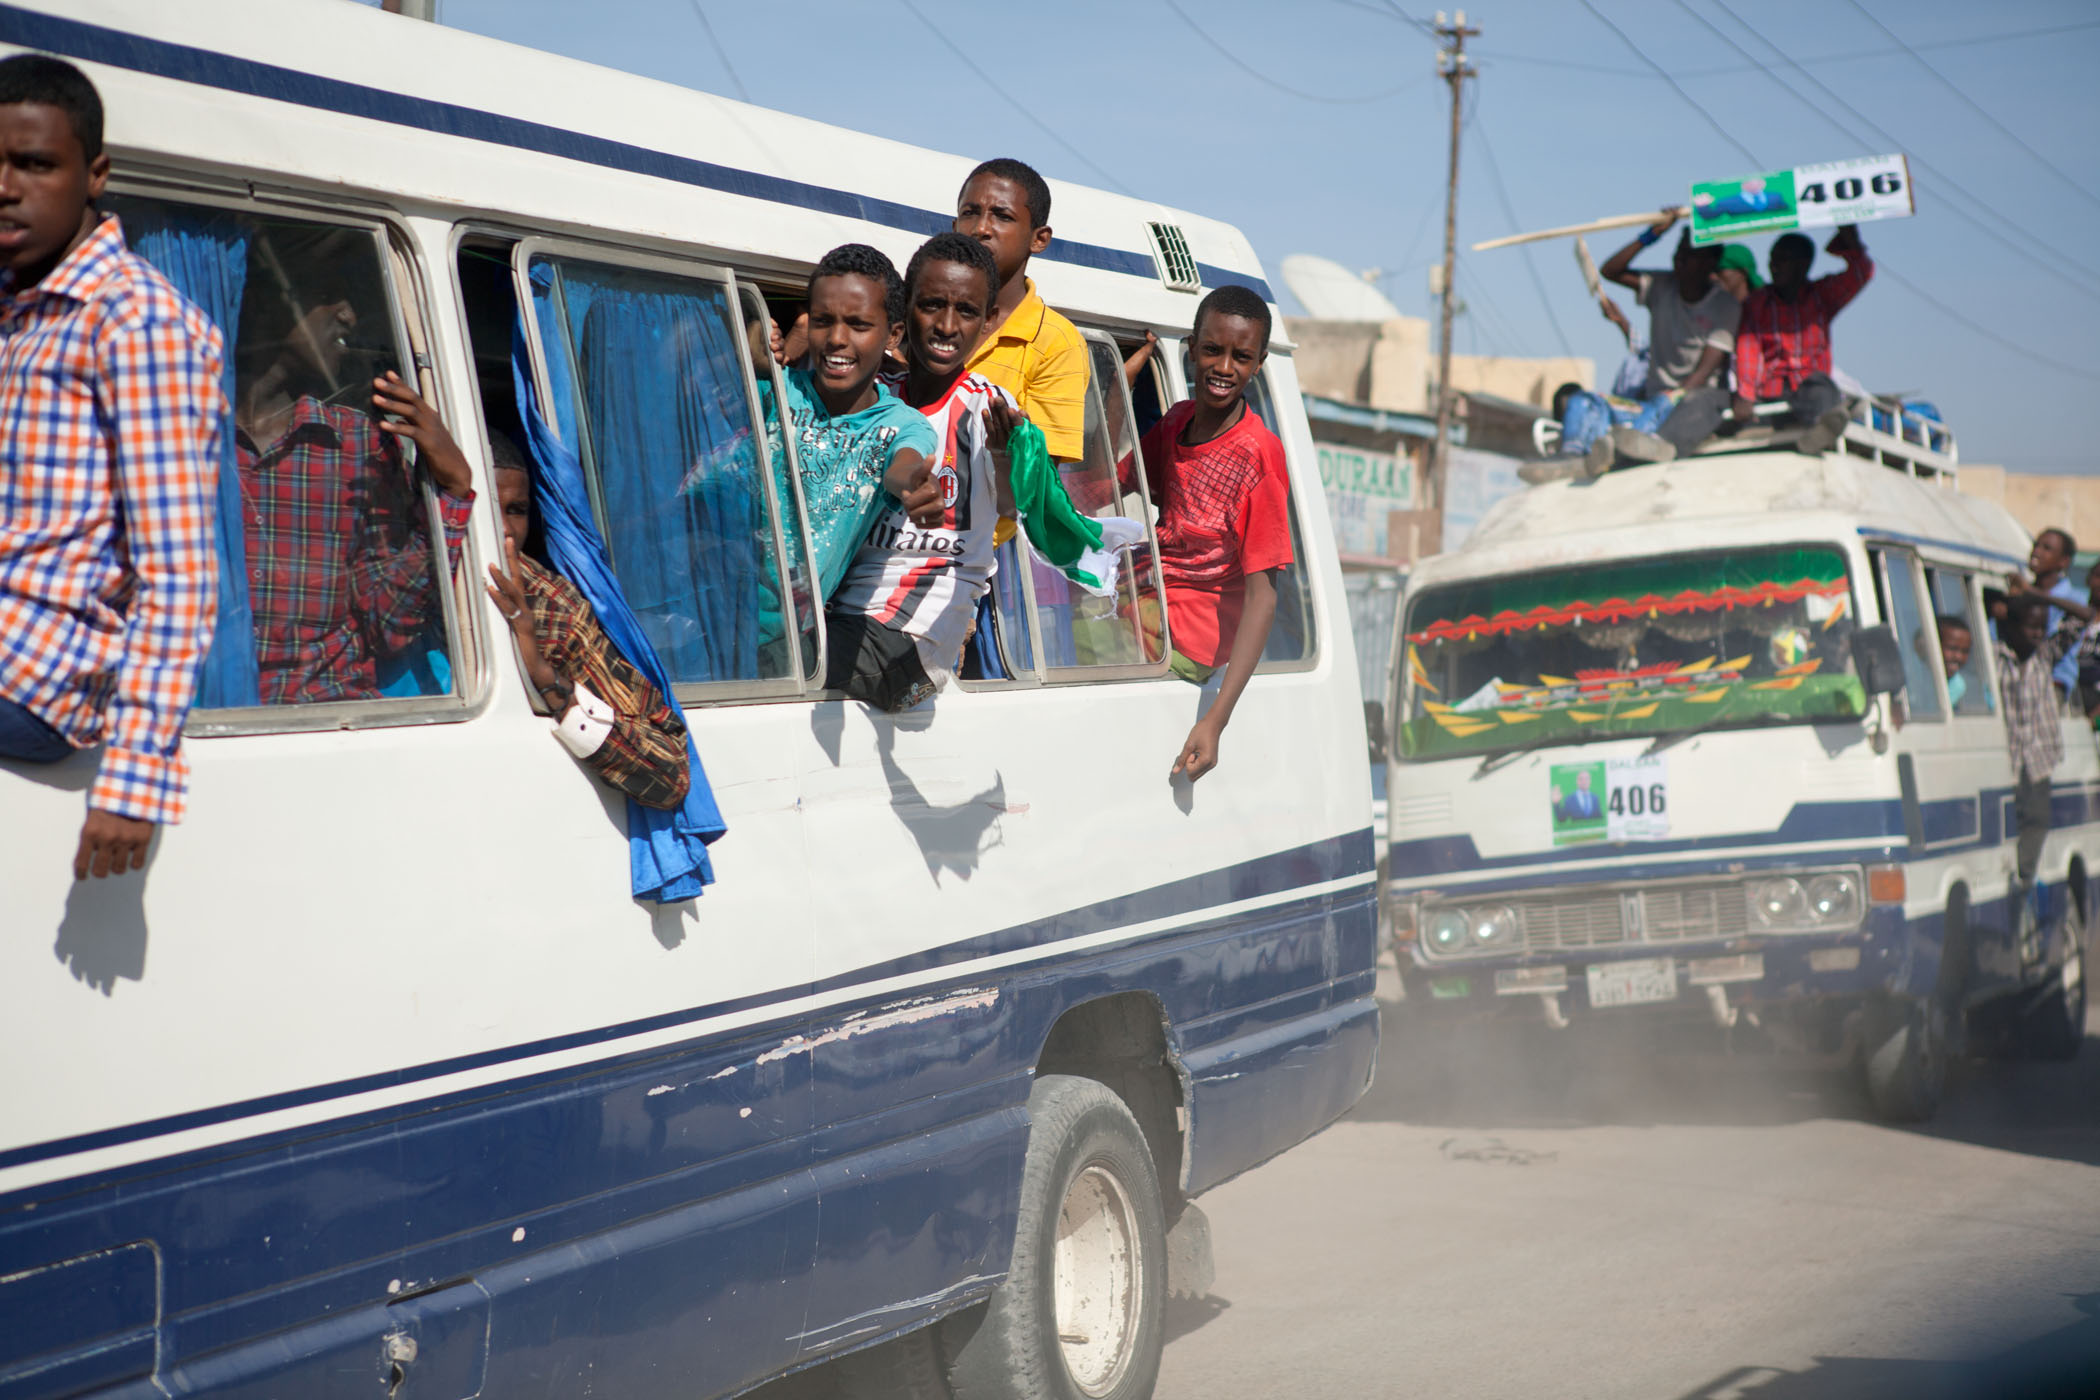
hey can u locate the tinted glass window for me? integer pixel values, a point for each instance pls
(1915, 634)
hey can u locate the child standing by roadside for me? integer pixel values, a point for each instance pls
(899, 621)
(1218, 478)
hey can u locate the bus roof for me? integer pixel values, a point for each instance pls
(339, 94)
(1727, 499)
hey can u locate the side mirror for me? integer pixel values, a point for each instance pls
(1878, 658)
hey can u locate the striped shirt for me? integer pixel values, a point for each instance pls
(1780, 343)
(925, 583)
(110, 415)
(2033, 704)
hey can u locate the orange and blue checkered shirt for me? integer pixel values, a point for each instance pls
(111, 407)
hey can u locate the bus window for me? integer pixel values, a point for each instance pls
(1915, 636)
(330, 588)
(1080, 630)
(646, 370)
(1954, 602)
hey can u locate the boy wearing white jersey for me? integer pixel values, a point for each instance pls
(898, 622)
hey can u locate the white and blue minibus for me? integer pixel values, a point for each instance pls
(1720, 741)
(381, 1082)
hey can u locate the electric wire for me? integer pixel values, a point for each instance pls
(1011, 100)
(2063, 260)
(1663, 73)
(1974, 106)
(1255, 73)
(1487, 149)
(721, 53)
(1727, 69)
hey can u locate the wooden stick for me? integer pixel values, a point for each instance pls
(1593, 226)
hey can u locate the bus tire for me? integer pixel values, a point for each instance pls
(1081, 1315)
(2053, 1027)
(1906, 1059)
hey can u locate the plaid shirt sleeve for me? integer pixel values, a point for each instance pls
(1835, 292)
(390, 583)
(644, 755)
(1751, 379)
(158, 384)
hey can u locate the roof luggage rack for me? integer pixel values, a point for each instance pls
(1882, 429)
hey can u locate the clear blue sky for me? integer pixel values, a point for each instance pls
(1576, 124)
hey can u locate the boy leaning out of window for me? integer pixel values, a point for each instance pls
(899, 622)
(1217, 477)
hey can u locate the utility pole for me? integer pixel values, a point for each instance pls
(1451, 66)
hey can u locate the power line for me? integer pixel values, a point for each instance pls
(1487, 148)
(1727, 69)
(1973, 106)
(1255, 73)
(721, 52)
(1011, 100)
(1661, 72)
(2062, 260)
(1985, 331)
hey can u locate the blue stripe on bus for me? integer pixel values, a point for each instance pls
(1320, 861)
(95, 43)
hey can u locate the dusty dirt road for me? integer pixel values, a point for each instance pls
(1706, 1230)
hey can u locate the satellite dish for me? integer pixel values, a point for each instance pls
(1330, 292)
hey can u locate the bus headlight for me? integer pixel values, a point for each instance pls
(1833, 900)
(1448, 931)
(1495, 927)
(1809, 904)
(1778, 904)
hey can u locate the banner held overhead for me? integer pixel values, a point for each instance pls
(1807, 196)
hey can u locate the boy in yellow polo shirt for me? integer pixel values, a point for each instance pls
(1033, 353)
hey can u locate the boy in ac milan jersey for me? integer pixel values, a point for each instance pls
(1217, 475)
(898, 622)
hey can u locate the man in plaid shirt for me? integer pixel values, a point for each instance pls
(2027, 654)
(1782, 346)
(110, 409)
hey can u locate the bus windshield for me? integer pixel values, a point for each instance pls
(1650, 646)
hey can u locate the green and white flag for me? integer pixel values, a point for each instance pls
(1807, 196)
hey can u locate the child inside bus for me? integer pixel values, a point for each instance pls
(899, 622)
(1218, 479)
(605, 711)
(854, 439)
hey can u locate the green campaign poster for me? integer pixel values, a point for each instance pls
(1576, 792)
(1807, 196)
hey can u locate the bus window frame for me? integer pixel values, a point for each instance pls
(394, 245)
(690, 694)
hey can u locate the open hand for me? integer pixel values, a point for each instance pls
(420, 424)
(111, 845)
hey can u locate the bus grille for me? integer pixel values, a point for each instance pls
(1674, 914)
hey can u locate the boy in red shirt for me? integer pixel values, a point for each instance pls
(1217, 477)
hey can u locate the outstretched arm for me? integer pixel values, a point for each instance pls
(1199, 752)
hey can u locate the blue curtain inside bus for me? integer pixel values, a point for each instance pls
(667, 851)
(205, 255)
(668, 427)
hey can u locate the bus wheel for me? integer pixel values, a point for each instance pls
(1906, 1059)
(2054, 1027)
(1081, 1313)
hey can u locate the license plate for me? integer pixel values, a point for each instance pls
(1632, 983)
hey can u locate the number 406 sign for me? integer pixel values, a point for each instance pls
(1807, 196)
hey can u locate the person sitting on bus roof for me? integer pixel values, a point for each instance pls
(605, 711)
(1217, 476)
(1691, 332)
(341, 576)
(110, 387)
(2027, 655)
(854, 439)
(1783, 348)
(899, 621)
